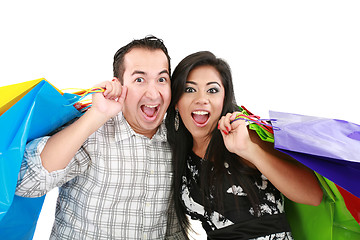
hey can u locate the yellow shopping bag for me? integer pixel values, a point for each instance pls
(11, 94)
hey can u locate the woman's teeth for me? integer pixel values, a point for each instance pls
(200, 117)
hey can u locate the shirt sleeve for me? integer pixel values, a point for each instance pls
(35, 181)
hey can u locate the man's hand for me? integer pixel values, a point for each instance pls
(62, 147)
(111, 101)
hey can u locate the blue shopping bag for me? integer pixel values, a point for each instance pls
(39, 112)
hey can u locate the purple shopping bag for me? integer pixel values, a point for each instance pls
(330, 147)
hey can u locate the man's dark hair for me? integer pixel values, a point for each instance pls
(149, 42)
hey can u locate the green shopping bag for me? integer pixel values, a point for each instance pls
(331, 220)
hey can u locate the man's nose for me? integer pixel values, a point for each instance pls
(152, 91)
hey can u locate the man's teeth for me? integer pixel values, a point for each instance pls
(151, 106)
(200, 113)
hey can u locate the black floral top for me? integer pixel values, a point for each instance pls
(238, 219)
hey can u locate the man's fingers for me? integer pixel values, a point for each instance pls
(113, 89)
(108, 88)
(122, 97)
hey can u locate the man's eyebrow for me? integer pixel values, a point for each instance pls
(143, 73)
(138, 72)
(164, 71)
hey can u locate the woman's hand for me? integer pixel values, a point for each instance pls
(294, 180)
(236, 135)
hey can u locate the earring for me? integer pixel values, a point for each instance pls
(177, 120)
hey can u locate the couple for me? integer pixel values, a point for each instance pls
(114, 166)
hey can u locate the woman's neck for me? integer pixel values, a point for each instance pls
(200, 146)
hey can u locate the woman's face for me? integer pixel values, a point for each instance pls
(201, 104)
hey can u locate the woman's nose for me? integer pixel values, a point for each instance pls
(202, 98)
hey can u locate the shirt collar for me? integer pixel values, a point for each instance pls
(123, 130)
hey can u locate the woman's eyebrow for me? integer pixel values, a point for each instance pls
(191, 82)
(209, 83)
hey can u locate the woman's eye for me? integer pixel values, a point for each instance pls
(189, 90)
(139, 80)
(213, 90)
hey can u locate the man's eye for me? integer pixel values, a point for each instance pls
(189, 90)
(139, 80)
(162, 79)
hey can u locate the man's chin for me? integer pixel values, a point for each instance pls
(148, 129)
(149, 125)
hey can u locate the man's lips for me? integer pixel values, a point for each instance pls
(150, 110)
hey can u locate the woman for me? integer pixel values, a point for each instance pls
(224, 175)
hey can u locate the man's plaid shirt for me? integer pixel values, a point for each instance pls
(116, 187)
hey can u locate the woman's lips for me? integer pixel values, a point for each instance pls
(200, 117)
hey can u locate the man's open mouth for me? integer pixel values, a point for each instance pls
(150, 110)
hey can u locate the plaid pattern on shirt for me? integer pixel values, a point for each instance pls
(116, 187)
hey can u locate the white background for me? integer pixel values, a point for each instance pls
(300, 57)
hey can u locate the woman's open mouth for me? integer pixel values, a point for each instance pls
(200, 117)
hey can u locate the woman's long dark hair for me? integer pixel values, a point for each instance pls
(181, 140)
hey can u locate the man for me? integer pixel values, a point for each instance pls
(112, 165)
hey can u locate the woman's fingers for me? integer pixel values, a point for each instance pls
(227, 123)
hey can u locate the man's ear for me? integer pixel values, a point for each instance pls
(115, 79)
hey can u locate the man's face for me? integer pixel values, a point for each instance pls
(147, 77)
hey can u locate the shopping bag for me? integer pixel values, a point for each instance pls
(352, 203)
(21, 218)
(38, 112)
(10, 94)
(330, 220)
(261, 126)
(337, 217)
(330, 147)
